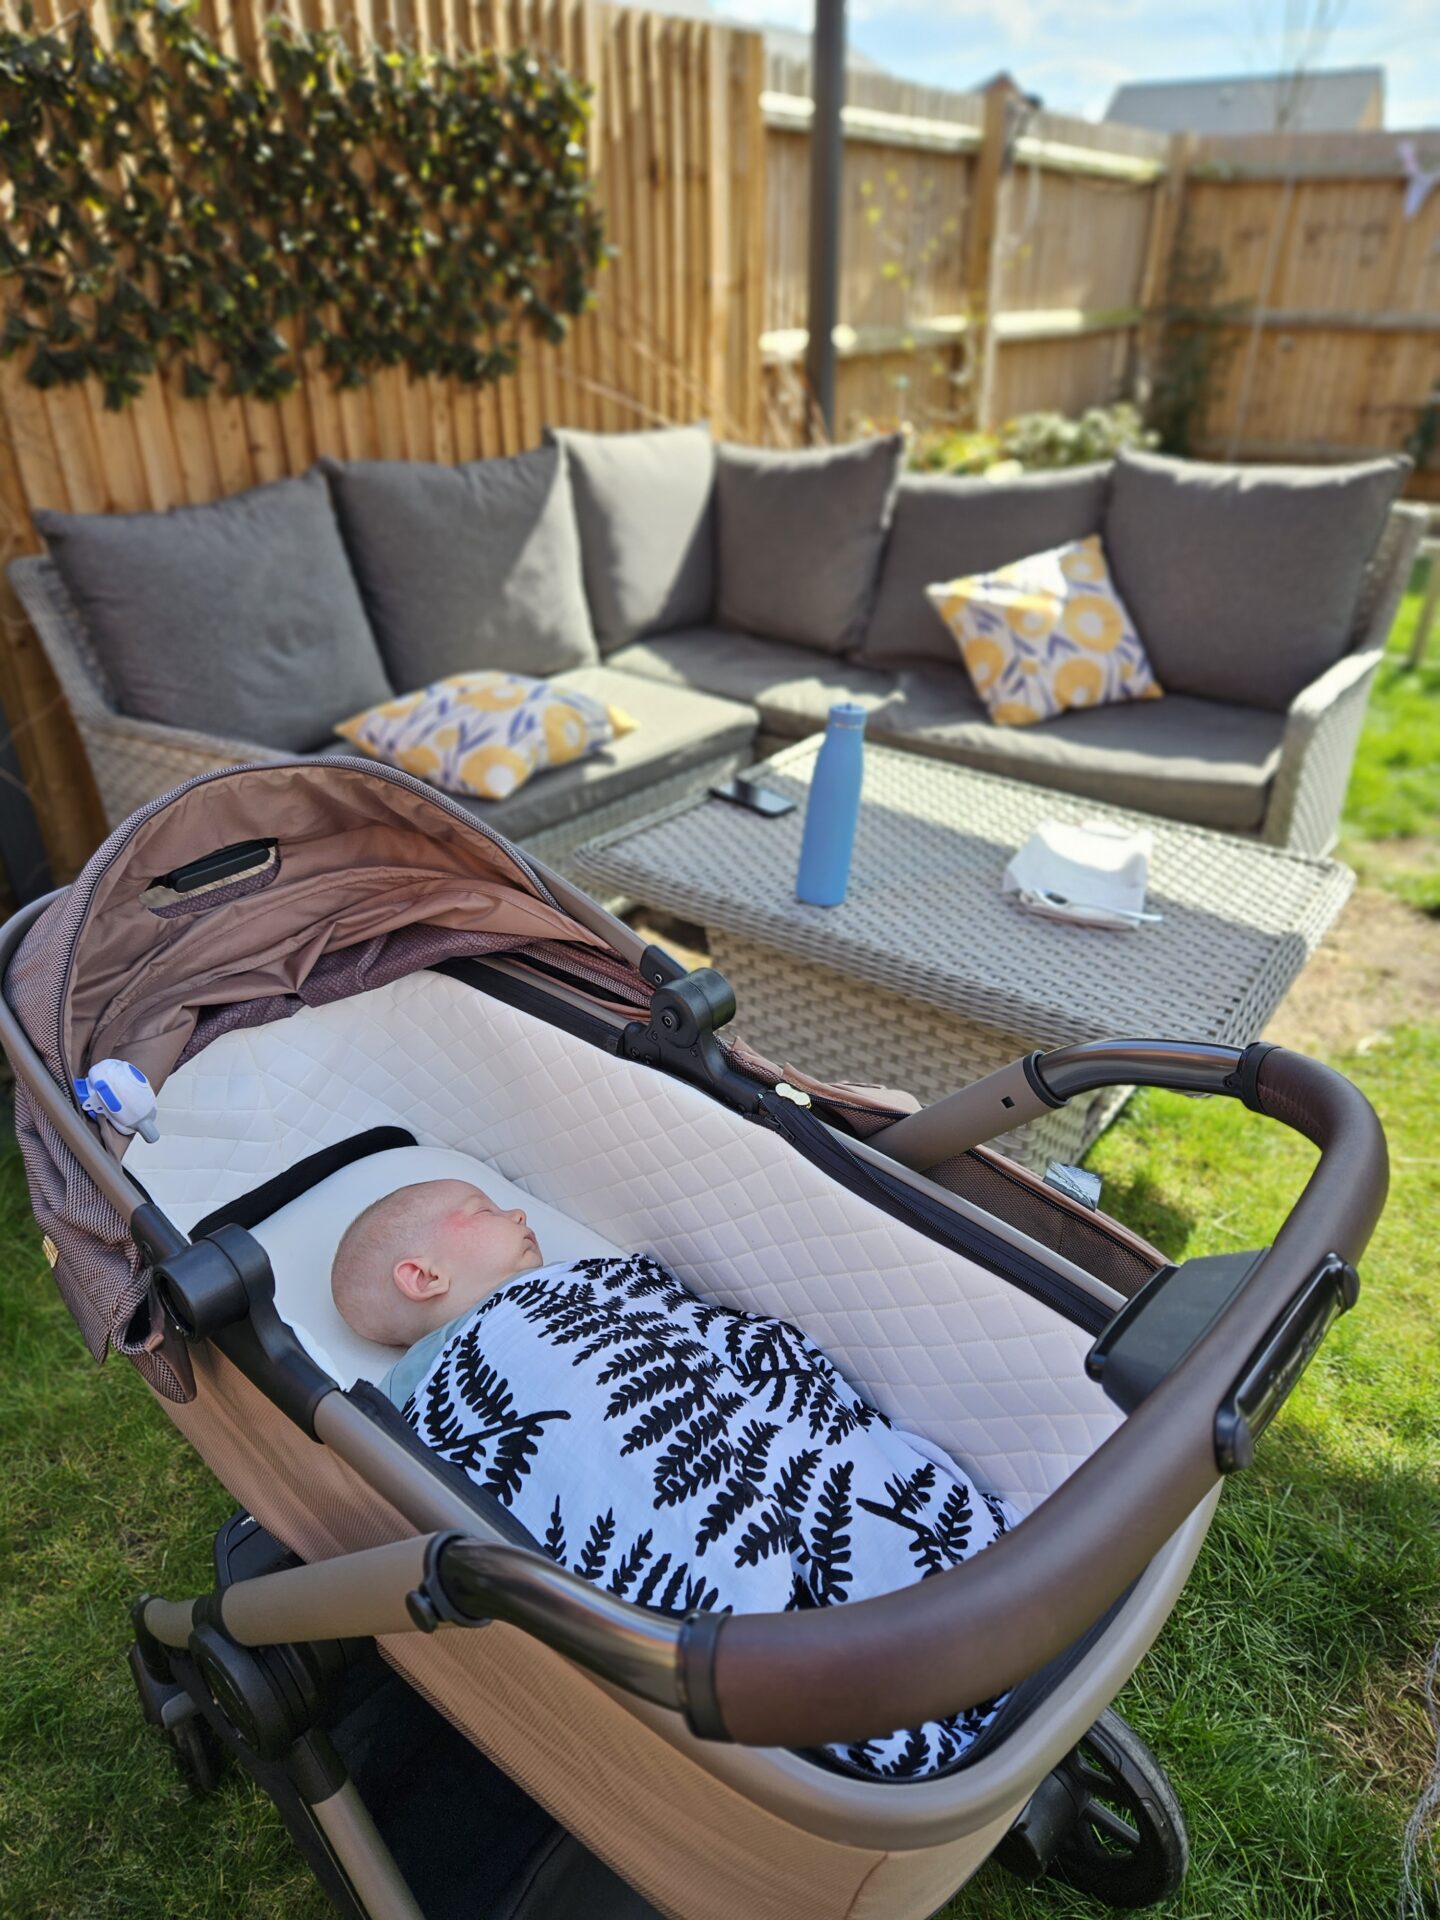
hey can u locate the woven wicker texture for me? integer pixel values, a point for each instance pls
(134, 761)
(1322, 727)
(966, 979)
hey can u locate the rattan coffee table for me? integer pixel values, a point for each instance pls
(928, 976)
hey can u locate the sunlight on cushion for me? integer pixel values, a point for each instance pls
(1045, 634)
(485, 733)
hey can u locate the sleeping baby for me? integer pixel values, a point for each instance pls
(680, 1454)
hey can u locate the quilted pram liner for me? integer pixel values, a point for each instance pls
(289, 1010)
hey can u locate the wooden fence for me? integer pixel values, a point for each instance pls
(997, 262)
(1334, 351)
(677, 147)
(994, 260)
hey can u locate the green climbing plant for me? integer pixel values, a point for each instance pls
(169, 206)
(1196, 345)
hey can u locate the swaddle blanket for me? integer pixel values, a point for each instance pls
(685, 1456)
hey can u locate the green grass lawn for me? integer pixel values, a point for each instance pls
(1392, 813)
(1284, 1694)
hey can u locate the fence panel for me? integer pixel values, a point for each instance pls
(906, 184)
(953, 312)
(1317, 240)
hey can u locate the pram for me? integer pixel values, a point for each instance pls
(320, 963)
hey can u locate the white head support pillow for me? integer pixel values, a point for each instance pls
(302, 1237)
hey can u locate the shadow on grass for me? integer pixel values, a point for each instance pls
(1144, 1204)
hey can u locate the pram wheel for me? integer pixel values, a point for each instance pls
(198, 1754)
(1128, 1846)
(1106, 1822)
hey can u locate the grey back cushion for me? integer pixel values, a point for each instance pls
(1243, 582)
(944, 527)
(645, 505)
(799, 538)
(467, 567)
(240, 618)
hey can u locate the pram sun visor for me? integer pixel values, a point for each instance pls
(359, 859)
(793, 1680)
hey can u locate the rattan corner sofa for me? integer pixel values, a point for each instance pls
(726, 598)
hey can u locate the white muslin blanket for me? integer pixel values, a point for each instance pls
(686, 1456)
(1094, 873)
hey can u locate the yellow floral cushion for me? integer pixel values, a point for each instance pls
(485, 733)
(1046, 633)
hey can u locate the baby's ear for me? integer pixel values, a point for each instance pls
(418, 1282)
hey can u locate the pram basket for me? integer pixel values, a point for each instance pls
(375, 919)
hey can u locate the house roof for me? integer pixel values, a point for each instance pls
(1325, 102)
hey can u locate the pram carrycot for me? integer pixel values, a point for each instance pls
(306, 957)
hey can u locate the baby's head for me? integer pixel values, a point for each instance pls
(423, 1254)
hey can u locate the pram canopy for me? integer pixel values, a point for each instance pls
(252, 894)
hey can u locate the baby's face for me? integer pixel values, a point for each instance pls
(474, 1244)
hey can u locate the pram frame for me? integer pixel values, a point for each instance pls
(1309, 1097)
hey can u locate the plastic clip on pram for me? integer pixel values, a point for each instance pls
(113, 1090)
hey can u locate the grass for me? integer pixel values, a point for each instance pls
(1392, 814)
(1283, 1695)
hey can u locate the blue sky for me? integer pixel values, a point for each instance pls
(1075, 52)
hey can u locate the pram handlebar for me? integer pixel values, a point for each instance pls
(1036, 1084)
(431, 1581)
(968, 1634)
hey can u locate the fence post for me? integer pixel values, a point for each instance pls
(981, 237)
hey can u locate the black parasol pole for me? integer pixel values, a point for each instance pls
(827, 87)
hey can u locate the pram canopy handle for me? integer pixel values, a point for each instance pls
(963, 1636)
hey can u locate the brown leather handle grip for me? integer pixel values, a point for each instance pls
(850, 1672)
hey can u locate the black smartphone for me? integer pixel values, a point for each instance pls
(745, 793)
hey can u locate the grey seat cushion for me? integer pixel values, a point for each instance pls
(645, 507)
(799, 538)
(241, 617)
(1185, 759)
(467, 567)
(1244, 581)
(676, 730)
(792, 687)
(943, 527)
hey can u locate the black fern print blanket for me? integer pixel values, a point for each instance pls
(686, 1456)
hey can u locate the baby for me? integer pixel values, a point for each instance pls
(681, 1454)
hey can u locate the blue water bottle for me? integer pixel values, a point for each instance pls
(834, 809)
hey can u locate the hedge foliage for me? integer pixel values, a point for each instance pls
(171, 206)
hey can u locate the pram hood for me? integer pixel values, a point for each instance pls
(372, 875)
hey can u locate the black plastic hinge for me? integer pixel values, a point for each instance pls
(1243, 1082)
(680, 1037)
(221, 1288)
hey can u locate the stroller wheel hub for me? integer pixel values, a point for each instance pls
(270, 1695)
